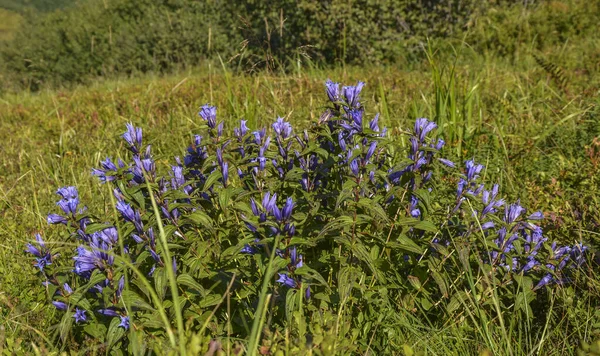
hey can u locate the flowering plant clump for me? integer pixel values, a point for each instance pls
(333, 225)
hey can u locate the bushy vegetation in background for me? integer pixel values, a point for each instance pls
(24, 6)
(9, 23)
(122, 37)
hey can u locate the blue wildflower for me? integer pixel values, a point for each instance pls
(333, 91)
(352, 94)
(282, 128)
(124, 322)
(133, 136)
(59, 305)
(42, 253)
(79, 316)
(209, 114)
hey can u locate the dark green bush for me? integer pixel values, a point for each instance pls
(123, 37)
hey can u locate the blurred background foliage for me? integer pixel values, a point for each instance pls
(64, 42)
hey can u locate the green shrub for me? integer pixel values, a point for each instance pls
(334, 230)
(123, 37)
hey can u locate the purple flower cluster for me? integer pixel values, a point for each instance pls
(287, 278)
(515, 226)
(143, 164)
(41, 252)
(68, 204)
(281, 216)
(96, 253)
(346, 159)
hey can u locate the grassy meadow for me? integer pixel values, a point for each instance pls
(533, 120)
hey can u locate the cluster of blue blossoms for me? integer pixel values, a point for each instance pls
(360, 155)
(513, 226)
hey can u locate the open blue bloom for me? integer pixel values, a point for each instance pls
(68, 204)
(124, 322)
(354, 167)
(544, 281)
(120, 286)
(415, 212)
(178, 179)
(56, 219)
(67, 288)
(242, 130)
(108, 170)
(67, 192)
(133, 136)
(287, 280)
(196, 153)
(42, 253)
(143, 165)
(423, 127)
(59, 305)
(287, 209)
(225, 173)
(352, 94)
(108, 312)
(79, 316)
(473, 170)
(209, 114)
(512, 213)
(538, 215)
(374, 124)
(130, 215)
(269, 202)
(488, 198)
(108, 235)
(333, 91)
(371, 151)
(282, 128)
(487, 225)
(447, 162)
(220, 129)
(99, 256)
(259, 136)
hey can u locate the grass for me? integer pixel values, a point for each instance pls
(531, 134)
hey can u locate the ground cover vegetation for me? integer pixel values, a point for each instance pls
(217, 210)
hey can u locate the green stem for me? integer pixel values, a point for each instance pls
(170, 272)
(258, 320)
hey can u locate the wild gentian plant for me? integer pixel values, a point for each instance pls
(297, 225)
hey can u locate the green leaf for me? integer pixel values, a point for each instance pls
(189, 281)
(310, 273)
(415, 282)
(373, 208)
(337, 224)
(65, 325)
(153, 321)
(135, 300)
(456, 301)
(439, 280)
(407, 244)
(201, 219)
(115, 332)
(290, 303)
(212, 179)
(160, 282)
(426, 225)
(210, 300)
(96, 330)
